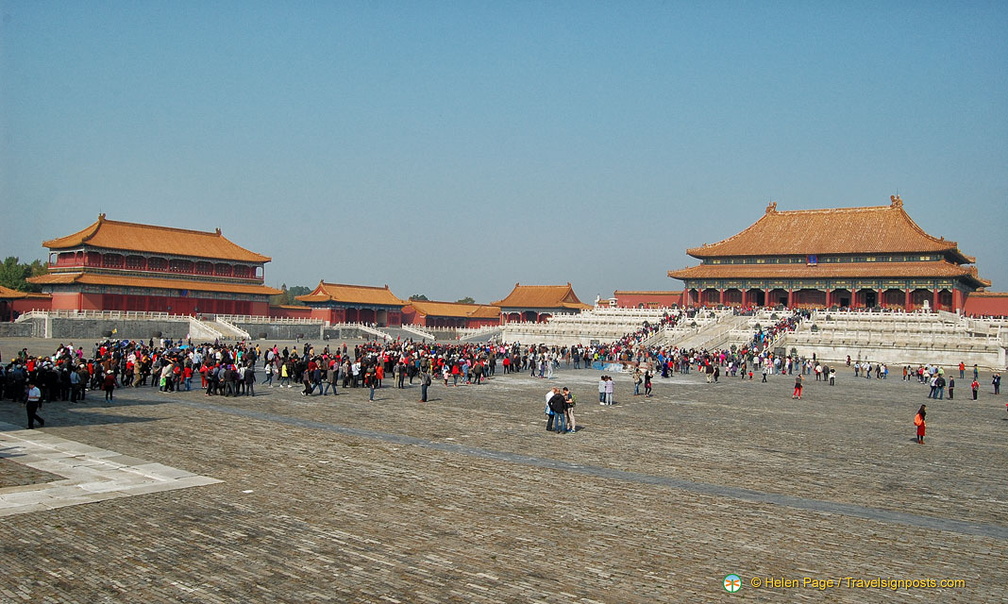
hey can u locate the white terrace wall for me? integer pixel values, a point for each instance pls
(899, 339)
(990, 358)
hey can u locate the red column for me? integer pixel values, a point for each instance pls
(745, 296)
(790, 298)
(880, 296)
(909, 301)
(721, 296)
(934, 300)
(957, 300)
(766, 298)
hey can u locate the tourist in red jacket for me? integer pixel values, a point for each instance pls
(920, 423)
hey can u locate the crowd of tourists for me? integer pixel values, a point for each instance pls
(235, 369)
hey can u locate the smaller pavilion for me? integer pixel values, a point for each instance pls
(339, 303)
(537, 303)
(13, 303)
(450, 314)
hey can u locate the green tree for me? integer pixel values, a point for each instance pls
(298, 290)
(467, 300)
(419, 297)
(13, 274)
(281, 299)
(286, 297)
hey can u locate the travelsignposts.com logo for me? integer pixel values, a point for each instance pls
(732, 583)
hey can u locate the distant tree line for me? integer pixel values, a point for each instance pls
(423, 298)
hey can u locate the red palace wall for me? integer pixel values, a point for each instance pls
(77, 301)
(986, 304)
(415, 318)
(290, 312)
(649, 300)
(24, 305)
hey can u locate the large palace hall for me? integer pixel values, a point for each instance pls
(864, 257)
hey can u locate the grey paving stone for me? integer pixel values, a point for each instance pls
(469, 499)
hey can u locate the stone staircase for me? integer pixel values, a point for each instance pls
(416, 331)
(230, 330)
(372, 331)
(405, 333)
(203, 331)
(481, 334)
(716, 334)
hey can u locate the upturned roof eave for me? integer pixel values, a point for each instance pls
(227, 249)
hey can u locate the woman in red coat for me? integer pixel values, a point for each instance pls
(919, 422)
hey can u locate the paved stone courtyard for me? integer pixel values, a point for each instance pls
(468, 499)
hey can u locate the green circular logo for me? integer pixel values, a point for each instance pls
(732, 583)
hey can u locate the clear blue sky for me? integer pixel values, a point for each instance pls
(456, 148)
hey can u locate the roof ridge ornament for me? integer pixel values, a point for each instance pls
(897, 202)
(771, 207)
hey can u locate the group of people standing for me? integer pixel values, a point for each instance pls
(934, 376)
(560, 411)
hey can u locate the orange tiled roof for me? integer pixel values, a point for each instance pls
(878, 229)
(455, 309)
(352, 294)
(829, 271)
(7, 293)
(125, 281)
(542, 296)
(132, 237)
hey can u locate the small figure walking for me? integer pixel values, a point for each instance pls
(920, 423)
(109, 384)
(797, 387)
(975, 386)
(425, 382)
(32, 406)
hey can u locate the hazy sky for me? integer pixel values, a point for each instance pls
(456, 148)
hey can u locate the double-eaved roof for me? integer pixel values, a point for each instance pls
(857, 240)
(864, 230)
(542, 297)
(340, 293)
(839, 270)
(144, 238)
